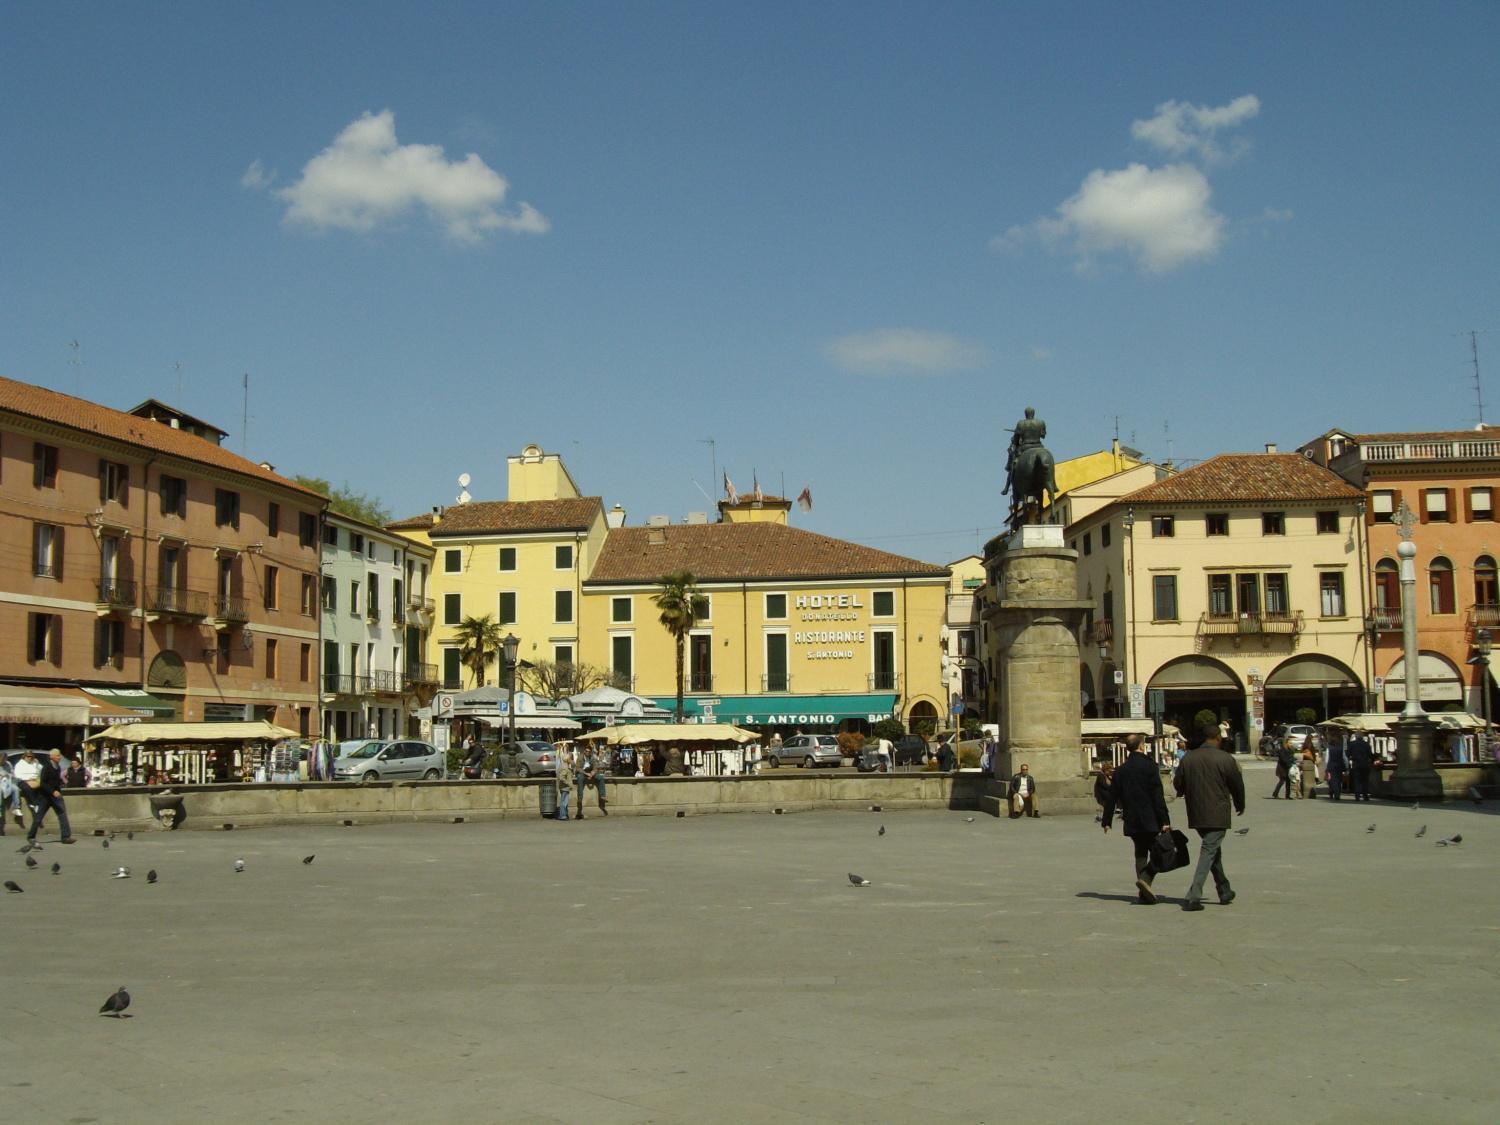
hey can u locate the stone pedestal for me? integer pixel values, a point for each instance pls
(1414, 778)
(1035, 621)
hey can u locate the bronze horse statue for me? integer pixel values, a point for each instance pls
(1029, 475)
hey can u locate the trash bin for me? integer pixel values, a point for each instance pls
(547, 796)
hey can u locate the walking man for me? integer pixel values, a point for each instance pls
(48, 795)
(1209, 781)
(1286, 758)
(1360, 759)
(1137, 790)
(1333, 768)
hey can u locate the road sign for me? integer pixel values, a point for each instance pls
(1137, 701)
(1379, 682)
(442, 705)
(958, 707)
(1157, 701)
(503, 706)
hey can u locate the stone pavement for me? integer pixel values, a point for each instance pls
(722, 968)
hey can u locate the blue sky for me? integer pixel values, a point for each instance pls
(848, 242)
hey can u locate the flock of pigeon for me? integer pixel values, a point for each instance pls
(117, 1003)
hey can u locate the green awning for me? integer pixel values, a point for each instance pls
(136, 700)
(782, 710)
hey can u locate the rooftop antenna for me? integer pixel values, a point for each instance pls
(178, 368)
(76, 363)
(1166, 428)
(245, 416)
(713, 456)
(1473, 335)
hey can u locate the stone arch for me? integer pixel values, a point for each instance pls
(1199, 683)
(1439, 680)
(922, 710)
(1310, 680)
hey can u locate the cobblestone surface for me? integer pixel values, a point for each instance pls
(722, 968)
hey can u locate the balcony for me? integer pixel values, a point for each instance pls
(1250, 624)
(423, 675)
(1103, 632)
(1384, 620)
(398, 614)
(230, 610)
(1463, 449)
(172, 601)
(884, 681)
(418, 604)
(342, 683)
(776, 681)
(115, 595)
(386, 682)
(700, 681)
(372, 614)
(1484, 617)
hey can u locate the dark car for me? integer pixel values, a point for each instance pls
(911, 750)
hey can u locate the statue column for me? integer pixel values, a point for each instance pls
(1414, 777)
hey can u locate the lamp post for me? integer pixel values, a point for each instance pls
(509, 647)
(1128, 523)
(1413, 776)
(1483, 643)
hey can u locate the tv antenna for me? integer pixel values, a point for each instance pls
(713, 456)
(177, 367)
(244, 416)
(76, 363)
(1473, 335)
(463, 488)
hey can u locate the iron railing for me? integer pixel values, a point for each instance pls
(421, 673)
(117, 593)
(1256, 622)
(228, 607)
(179, 602)
(776, 681)
(700, 681)
(386, 682)
(884, 681)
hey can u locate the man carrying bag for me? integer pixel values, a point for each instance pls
(1137, 789)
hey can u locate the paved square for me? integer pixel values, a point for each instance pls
(722, 968)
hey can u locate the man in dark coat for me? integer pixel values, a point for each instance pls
(1333, 768)
(1209, 781)
(48, 795)
(1138, 791)
(1360, 758)
(1285, 756)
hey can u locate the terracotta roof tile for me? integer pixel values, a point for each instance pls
(89, 417)
(485, 517)
(719, 552)
(411, 523)
(1247, 477)
(1486, 433)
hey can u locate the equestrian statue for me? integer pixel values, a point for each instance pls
(1029, 478)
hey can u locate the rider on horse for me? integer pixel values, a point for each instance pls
(1027, 454)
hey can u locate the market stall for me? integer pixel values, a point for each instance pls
(699, 749)
(1455, 740)
(183, 753)
(1104, 739)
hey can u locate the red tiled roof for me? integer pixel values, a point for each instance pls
(486, 517)
(91, 418)
(1431, 435)
(720, 552)
(1248, 477)
(411, 523)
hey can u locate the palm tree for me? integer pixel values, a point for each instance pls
(479, 643)
(681, 604)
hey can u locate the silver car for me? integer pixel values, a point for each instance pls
(371, 759)
(808, 751)
(534, 758)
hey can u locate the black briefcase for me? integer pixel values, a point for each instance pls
(1169, 851)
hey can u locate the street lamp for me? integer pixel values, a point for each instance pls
(509, 647)
(1483, 644)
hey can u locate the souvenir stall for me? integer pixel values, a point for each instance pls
(1455, 740)
(703, 749)
(1104, 740)
(185, 753)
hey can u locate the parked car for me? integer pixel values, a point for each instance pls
(535, 757)
(911, 750)
(371, 759)
(1300, 736)
(807, 750)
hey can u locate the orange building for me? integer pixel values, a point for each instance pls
(142, 560)
(1448, 481)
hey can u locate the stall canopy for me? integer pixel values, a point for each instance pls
(529, 722)
(43, 707)
(1374, 723)
(783, 710)
(1119, 728)
(670, 732)
(136, 700)
(140, 734)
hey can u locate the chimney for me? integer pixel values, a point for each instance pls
(656, 537)
(437, 513)
(1271, 447)
(615, 517)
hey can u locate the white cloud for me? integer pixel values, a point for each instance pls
(1180, 129)
(1161, 216)
(897, 351)
(256, 177)
(366, 178)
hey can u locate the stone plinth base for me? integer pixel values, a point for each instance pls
(1036, 535)
(1414, 778)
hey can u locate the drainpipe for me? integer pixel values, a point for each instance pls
(905, 643)
(745, 635)
(145, 560)
(1362, 543)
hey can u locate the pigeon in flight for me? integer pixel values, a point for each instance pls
(1370, 829)
(30, 861)
(239, 865)
(56, 867)
(1421, 831)
(882, 831)
(1242, 831)
(151, 875)
(858, 880)
(1456, 838)
(307, 859)
(121, 873)
(116, 1004)
(12, 886)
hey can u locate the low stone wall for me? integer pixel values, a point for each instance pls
(246, 806)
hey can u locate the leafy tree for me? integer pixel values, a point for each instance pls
(1306, 715)
(479, 643)
(681, 604)
(887, 728)
(346, 501)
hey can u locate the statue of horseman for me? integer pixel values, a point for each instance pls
(1029, 479)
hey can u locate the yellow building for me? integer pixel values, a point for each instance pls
(1233, 587)
(802, 630)
(963, 653)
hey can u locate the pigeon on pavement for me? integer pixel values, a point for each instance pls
(968, 820)
(106, 843)
(1370, 829)
(56, 867)
(130, 835)
(1421, 831)
(1242, 831)
(121, 873)
(239, 865)
(12, 886)
(309, 858)
(858, 880)
(1456, 838)
(1416, 804)
(151, 875)
(882, 831)
(116, 1004)
(30, 861)
(28, 846)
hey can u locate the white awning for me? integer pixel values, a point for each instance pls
(530, 722)
(44, 708)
